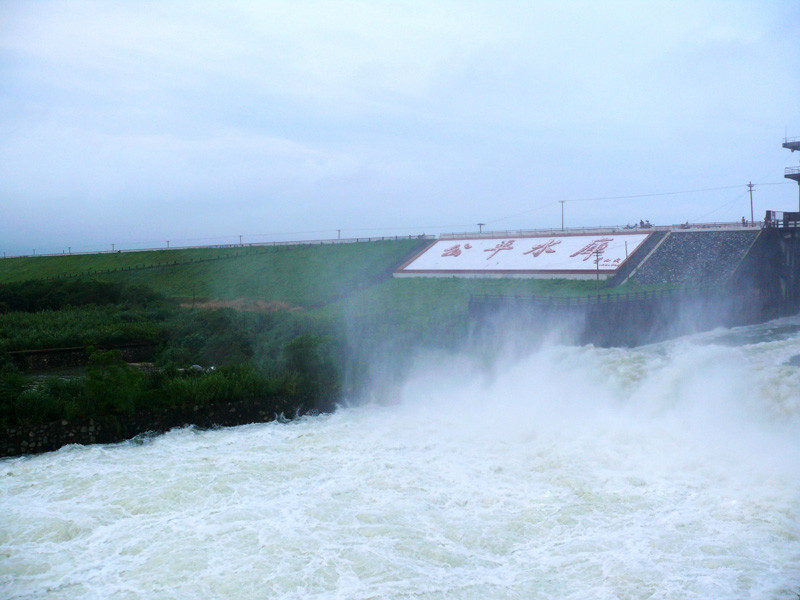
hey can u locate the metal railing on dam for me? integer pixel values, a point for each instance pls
(598, 229)
(240, 251)
(321, 242)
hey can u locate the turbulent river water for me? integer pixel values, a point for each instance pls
(666, 471)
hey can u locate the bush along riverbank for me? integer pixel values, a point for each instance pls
(114, 402)
(207, 367)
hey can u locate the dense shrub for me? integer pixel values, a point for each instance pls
(207, 338)
(225, 384)
(100, 326)
(312, 367)
(111, 387)
(34, 296)
(12, 384)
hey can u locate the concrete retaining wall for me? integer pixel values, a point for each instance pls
(55, 358)
(17, 441)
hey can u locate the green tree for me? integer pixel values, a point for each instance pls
(111, 385)
(312, 370)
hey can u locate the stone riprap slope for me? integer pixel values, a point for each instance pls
(696, 257)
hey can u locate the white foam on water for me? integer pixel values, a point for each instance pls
(669, 471)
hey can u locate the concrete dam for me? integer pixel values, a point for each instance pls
(696, 279)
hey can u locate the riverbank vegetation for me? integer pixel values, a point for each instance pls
(197, 354)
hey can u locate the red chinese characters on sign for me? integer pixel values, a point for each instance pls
(595, 247)
(547, 247)
(505, 245)
(456, 250)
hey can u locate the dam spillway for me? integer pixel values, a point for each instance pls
(698, 279)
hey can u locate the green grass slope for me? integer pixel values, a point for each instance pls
(348, 279)
(26, 268)
(297, 275)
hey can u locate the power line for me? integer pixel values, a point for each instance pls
(632, 197)
(736, 200)
(525, 212)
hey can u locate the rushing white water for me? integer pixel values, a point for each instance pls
(669, 471)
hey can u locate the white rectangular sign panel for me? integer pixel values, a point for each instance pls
(555, 254)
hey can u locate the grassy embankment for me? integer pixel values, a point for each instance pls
(313, 316)
(347, 284)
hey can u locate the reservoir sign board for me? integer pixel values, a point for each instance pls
(564, 256)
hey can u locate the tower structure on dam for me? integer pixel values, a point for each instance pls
(793, 172)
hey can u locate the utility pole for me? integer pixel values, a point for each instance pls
(240, 240)
(167, 243)
(480, 227)
(562, 214)
(750, 185)
(112, 247)
(597, 281)
(338, 234)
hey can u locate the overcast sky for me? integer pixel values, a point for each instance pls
(134, 123)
